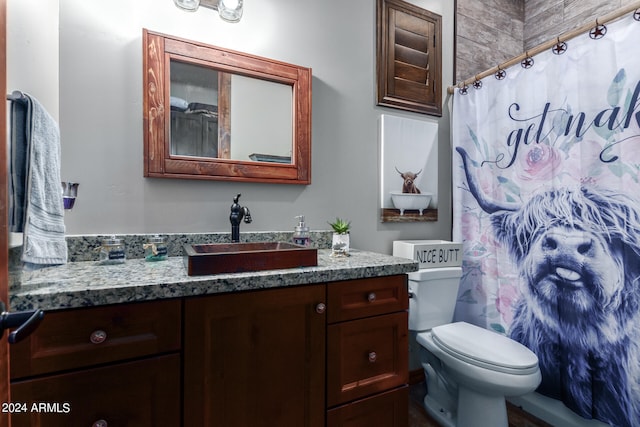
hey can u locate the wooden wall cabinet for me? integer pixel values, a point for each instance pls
(409, 57)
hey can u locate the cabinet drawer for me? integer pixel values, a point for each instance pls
(89, 336)
(366, 356)
(142, 393)
(389, 409)
(354, 299)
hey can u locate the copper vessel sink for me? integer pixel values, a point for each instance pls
(216, 258)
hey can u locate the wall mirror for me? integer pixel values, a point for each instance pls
(213, 113)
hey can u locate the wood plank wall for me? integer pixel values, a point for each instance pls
(490, 32)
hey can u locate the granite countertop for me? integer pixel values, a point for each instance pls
(86, 283)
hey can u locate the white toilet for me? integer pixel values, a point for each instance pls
(469, 369)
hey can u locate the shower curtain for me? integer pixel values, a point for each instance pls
(546, 166)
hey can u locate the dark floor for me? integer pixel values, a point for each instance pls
(418, 416)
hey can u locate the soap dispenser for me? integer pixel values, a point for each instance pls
(301, 233)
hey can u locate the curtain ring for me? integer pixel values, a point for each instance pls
(636, 14)
(598, 31)
(527, 62)
(464, 89)
(559, 48)
(500, 74)
(477, 83)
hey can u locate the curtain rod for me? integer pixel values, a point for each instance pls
(549, 44)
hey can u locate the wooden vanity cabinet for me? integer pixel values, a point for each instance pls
(101, 366)
(325, 355)
(255, 358)
(367, 352)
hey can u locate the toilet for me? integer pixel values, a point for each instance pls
(469, 370)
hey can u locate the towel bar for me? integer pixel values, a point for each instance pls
(16, 95)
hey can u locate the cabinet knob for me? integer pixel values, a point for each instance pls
(373, 356)
(321, 308)
(371, 297)
(98, 337)
(100, 423)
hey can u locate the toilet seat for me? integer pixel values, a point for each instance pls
(484, 348)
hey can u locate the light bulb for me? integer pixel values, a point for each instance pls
(229, 4)
(230, 10)
(188, 5)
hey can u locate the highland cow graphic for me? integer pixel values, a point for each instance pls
(409, 181)
(577, 252)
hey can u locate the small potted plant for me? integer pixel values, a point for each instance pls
(340, 241)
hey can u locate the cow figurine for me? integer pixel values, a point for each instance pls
(409, 186)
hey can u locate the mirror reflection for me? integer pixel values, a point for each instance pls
(229, 116)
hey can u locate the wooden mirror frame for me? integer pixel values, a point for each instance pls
(158, 50)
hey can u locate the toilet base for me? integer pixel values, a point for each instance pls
(453, 405)
(435, 410)
(472, 406)
(492, 410)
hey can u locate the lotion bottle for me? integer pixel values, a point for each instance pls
(301, 233)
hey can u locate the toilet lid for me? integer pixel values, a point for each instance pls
(484, 348)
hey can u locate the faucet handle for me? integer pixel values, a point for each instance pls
(247, 215)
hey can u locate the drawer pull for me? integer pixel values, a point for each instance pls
(373, 356)
(100, 423)
(98, 337)
(371, 297)
(321, 308)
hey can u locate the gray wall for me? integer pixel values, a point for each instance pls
(100, 115)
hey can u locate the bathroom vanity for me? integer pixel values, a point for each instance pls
(146, 344)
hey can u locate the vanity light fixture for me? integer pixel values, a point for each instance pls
(229, 10)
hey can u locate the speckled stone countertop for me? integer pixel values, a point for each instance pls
(86, 283)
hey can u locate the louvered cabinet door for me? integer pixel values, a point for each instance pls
(409, 57)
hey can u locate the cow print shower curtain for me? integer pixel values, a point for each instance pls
(547, 204)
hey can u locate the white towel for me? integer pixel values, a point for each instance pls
(42, 206)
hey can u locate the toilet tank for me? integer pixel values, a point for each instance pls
(433, 294)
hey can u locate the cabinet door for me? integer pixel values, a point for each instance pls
(255, 359)
(209, 137)
(143, 393)
(366, 356)
(186, 134)
(389, 409)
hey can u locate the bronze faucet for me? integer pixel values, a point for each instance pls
(238, 213)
